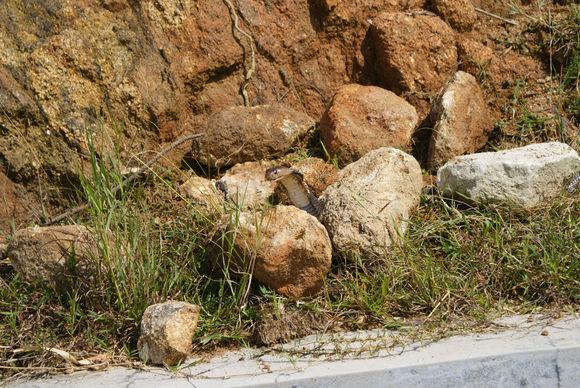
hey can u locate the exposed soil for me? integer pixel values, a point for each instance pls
(136, 74)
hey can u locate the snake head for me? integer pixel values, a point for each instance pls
(279, 172)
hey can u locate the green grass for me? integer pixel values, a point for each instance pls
(552, 112)
(454, 263)
(471, 260)
(451, 264)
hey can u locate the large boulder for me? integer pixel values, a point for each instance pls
(245, 185)
(525, 177)
(416, 51)
(363, 118)
(460, 14)
(368, 208)
(54, 254)
(167, 331)
(290, 248)
(242, 134)
(461, 120)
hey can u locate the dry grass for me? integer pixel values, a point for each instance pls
(453, 264)
(456, 264)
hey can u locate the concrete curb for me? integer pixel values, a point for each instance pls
(539, 354)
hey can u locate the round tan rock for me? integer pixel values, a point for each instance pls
(291, 249)
(368, 208)
(54, 254)
(202, 191)
(245, 185)
(167, 331)
(416, 51)
(461, 120)
(460, 14)
(363, 118)
(242, 134)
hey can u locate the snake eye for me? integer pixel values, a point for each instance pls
(272, 173)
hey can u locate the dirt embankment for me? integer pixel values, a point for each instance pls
(131, 74)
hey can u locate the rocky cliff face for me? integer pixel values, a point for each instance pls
(131, 73)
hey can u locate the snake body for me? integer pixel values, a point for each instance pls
(298, 192)
(574, 183)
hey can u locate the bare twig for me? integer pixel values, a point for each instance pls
(252, 66)
(509, 21)
(130, 179)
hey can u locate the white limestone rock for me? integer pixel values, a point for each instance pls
(203, 192)
(526, 177)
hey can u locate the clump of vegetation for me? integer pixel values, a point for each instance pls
(564, 46)
(452, 263)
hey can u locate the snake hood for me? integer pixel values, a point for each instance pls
(293, 182)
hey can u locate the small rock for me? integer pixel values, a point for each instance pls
(54, 254)
(246, 185)
(363, 118)
(291, 248)
(167, 331)
(318, 174)
(461, 120)
(460, 14)
(369, 206)
(415, 51)
(525, 177)
(203, 192)
(242, 134)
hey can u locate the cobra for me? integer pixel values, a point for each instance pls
(293, 182)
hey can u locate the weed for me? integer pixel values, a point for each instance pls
(450, 264)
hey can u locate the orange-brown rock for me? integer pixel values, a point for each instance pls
(318, 174)
(460, 14)
(349, 11)
(461, 120)
(363, 118)
(244, 134)
(473, 56)
(290, 248)
(416, 51)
